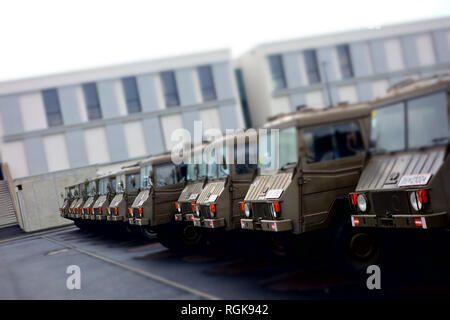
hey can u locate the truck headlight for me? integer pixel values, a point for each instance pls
(418, 198)
(362, 202)
(247, 210)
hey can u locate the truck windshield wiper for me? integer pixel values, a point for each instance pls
(288, 165)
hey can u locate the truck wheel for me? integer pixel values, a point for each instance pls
(147, 233)
(355, 249)
(179, 236)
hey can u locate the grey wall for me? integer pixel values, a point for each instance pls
(35, 153)
(11, 117)
(185, 85)
(69, 105)
(153, 135)
(223, 80)
(76, 148)
(108, 99)
(116, 142)
(147, 92)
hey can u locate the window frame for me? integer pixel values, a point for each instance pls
(207, 83)
(47, 99)
(90, 107)
(345, 61)
(312, 69)
(276, 61)
(131, 97)
(173, 92)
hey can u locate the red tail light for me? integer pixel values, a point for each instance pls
(354, 199)
(116, 209)
(242, 206)
(140, 211)
(100, 209)
(423, 196)
(109, 210)
(194, 207)
(213, 208)
(176, 205)
(130, 211)
(276, 207)
(78, 209)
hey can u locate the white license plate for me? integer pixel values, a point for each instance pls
(274, 193)
(193, 196)
(414, 180)
(212, 198)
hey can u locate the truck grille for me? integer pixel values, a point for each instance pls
(204, 212)
(261, 210)
(186, 207)
(390, 202)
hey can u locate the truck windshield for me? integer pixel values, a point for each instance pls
(146, 174)
(169, 174)
(82, 188)
(133, 182)
(411, 124)
(120, 183)
(92, 189)
(102, 186)
(275, 155)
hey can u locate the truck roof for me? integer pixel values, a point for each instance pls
(412, 88)
(313, 116)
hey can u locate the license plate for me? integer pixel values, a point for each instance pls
(212, 198)
(414, 180)
(274, 193)
(193, 196)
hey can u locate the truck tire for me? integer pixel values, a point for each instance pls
(80, 224)
(354, 249)
(180, 236)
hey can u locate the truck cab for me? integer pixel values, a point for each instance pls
(228, 181)
(68, 198)
(196, 179)
(106, 192)
(405, 184)
(92, 193)
(127, 188)
(75, 190)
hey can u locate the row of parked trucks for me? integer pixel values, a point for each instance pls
(340, 174)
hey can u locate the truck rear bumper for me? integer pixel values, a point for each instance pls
(138, 222)
(416, 221)
(115, 218)
(100, 217)
(267, 225)
(209, 223)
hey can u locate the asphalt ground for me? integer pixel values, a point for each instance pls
(118, 266)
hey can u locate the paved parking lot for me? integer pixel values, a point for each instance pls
(120, 267)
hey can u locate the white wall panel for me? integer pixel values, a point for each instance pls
(120, 95)
(425, 49)
(56, 152)
(135, 140)
(348, 93)
(169, 124)
(96, 145)
(14, 154)
(394, 54)
(314, 99)
(379, 88)
(81, 105)
(210, 118)
(280, 105)
(33, 111)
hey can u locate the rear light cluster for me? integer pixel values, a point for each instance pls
(359, 201)
(418, 199)
(212, 210)
(245, 208)
(178, 207)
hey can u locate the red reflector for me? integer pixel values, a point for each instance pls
(176, 217)
(176, 205)
(274, 227)
(243, 225)
(423, 196)
(418, 222)
(243, 207)
(213, 208)
(211, 224)
(276, 207)
(140, 211)
(356, 221)
(192, 218)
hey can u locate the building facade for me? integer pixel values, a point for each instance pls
(112, 114)
(344, 67)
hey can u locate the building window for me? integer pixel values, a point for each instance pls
(312, 68)
(206, 83)
(277, 70)
(170, 89)
(345, 61)
(52, 107)
(131, 94)
(92, 101)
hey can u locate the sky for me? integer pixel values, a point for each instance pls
(46, 36)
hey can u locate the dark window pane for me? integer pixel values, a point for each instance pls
(345, 61)
(52, 107)
(333, 142)
(312, 68)
(277, 70)
(131, 94)
(207, 83)
(92, 101)
(170, 89)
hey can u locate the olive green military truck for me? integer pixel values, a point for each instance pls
(405, 183)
